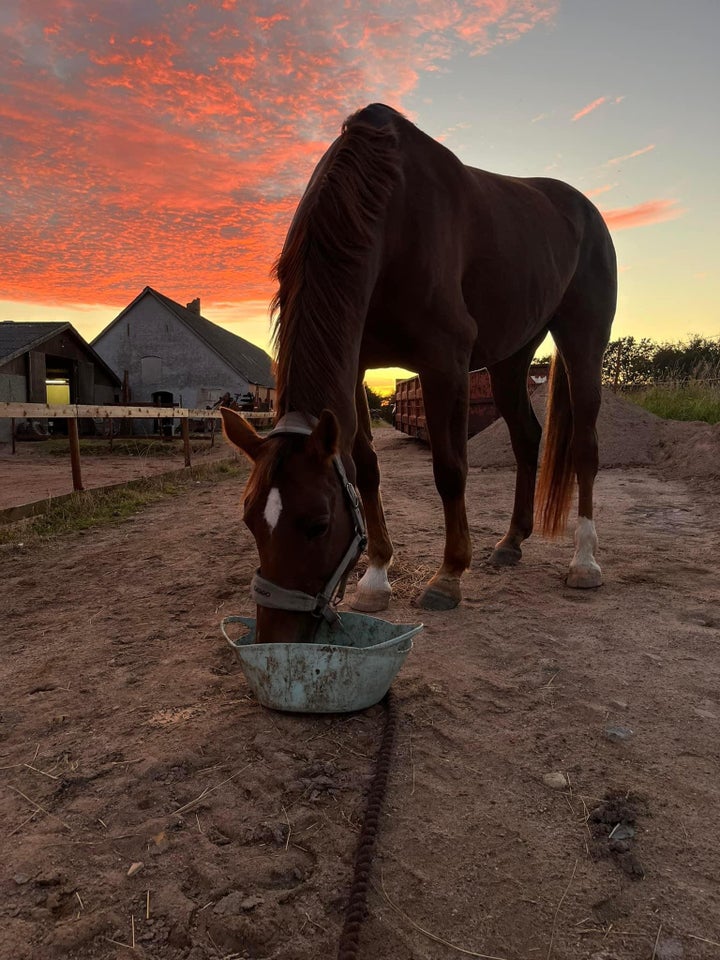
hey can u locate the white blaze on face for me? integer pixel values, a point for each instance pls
(273, 508)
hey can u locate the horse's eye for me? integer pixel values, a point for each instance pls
(317, 529)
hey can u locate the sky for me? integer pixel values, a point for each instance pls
(166, 143)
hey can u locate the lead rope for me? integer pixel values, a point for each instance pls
(356, 911)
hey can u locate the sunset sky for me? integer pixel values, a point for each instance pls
(167, 143)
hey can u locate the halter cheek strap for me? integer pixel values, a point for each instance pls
(265, 593)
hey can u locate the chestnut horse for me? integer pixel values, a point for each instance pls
(400, 255)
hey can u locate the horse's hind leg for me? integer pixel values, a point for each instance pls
(510, 392)
(373, 592)
(586, 394)
(583, 363)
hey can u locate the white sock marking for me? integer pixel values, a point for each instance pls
(375, 578)
(586, 542)
(273, 508)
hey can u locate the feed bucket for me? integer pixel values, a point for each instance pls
(348, 666)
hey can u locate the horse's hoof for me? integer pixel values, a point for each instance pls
(585, 578)
(506, 556)
(370, 601)
(435, 600)
(441, 594)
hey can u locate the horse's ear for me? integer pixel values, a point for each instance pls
(240, 434)
(326, 435)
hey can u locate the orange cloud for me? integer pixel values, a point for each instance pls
(631, 156)
(168, 144)
(589, 108)
(652, 211)
(597, 191)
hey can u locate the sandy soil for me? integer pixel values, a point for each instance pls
(142, 789)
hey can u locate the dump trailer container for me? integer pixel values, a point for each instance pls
(409, 414)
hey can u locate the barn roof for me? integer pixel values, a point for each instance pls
(16, 338)
(244, 357)
(19, 337)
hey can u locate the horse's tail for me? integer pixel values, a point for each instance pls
(555, 483)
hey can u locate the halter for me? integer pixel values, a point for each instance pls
(269, 594)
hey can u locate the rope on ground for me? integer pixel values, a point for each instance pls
(356, 910)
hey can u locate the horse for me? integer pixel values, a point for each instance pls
(401, 255)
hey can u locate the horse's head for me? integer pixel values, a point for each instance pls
(304, 514)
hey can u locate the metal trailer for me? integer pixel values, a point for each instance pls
(409, 416)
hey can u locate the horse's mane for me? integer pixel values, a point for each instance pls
(321, 268)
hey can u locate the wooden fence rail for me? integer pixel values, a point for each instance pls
(85, 411)
(80, 411)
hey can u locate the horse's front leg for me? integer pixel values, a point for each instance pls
(373, 591)
(510, 392)
(445, 398)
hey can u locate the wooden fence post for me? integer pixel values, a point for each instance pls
(185, 428)
(74, 439)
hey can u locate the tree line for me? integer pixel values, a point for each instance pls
(630, 362)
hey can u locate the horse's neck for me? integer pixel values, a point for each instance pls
(319, 379)
(318, 366)
(323, 298)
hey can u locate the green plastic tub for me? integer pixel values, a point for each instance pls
(349, 666)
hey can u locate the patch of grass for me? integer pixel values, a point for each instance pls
(122, 447)
(681, 401)
(92, 508)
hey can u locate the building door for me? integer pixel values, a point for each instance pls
(163, 398)
(86, 382)
(57, 391)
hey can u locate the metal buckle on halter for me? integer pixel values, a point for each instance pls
(326, 609)
(352, 494)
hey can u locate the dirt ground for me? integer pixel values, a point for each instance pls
(27, 475)
(554, 792)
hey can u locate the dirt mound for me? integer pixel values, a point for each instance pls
(689, 450)
(628, 436)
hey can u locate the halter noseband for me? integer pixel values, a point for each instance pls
(268, 594)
